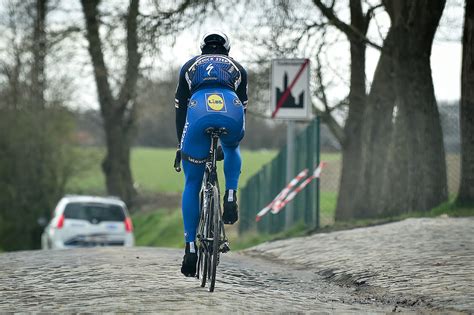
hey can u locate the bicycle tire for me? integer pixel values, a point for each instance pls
(214, 257)
(202, 265)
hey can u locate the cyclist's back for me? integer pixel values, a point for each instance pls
(212, 92)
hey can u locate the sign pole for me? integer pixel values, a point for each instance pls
(290, 168)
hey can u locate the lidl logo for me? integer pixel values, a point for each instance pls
(215, 102)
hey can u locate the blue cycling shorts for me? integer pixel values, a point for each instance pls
(212, 107)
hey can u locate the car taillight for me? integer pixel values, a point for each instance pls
(128, 225)
(60, 221)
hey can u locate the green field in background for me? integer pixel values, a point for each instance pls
(153, 170)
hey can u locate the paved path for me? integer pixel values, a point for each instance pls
(429, 261)
(148, 280)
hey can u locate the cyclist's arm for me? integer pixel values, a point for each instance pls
(181, 102)
(242, 89)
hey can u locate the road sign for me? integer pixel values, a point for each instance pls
(290, 95)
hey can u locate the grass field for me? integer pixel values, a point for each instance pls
(153, 170)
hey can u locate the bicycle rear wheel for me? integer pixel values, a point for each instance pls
(214, 255)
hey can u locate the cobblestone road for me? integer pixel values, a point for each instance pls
(148, 279)
(428, 261)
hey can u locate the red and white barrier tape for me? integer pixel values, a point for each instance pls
(292, 195)
(288, 188)
(282, 199)
(281, 196)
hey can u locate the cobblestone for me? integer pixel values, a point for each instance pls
(148, 280)
(414, 261)
(419, 265)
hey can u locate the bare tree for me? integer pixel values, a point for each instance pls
(466, 190)
(356, 33)
(37, 159)
(119, 111)
(417, 164)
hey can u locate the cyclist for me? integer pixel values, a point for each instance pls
(211, 92)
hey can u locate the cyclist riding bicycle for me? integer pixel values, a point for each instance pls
(211, 92)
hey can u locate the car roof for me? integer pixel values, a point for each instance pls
(95, 199)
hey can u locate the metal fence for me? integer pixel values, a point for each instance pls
(319, 212)
(263, 187)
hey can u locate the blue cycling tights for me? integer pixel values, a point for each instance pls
(193, 176)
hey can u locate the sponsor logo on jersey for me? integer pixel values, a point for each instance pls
(237, 102)
(192, 103)
(215, 102)
(209, 69)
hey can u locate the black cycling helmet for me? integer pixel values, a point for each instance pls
(216, 38)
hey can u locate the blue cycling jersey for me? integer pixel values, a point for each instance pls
(211, 71)
(208, 71)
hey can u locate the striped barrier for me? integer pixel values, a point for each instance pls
(286, 195)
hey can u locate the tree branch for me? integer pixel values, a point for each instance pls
(369, 15)
(127, 91)
(351, 32)
(95, 50)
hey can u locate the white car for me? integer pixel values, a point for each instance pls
(85, 221)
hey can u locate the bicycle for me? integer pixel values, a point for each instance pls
(211, 237)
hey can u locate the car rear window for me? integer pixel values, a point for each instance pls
(94, 212)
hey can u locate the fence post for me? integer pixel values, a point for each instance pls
(318, 160)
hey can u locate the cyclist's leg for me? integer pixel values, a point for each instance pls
(234, 123)
(232, 165)
(196, 145)
(190, 204)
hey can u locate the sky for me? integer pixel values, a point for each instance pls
(75, 61)
(445, 58)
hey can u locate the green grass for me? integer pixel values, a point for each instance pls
(327, 206)
(164, 228)
(326, 157)
(159, 228)
(452, 209)
(449, 208)
(153, 170)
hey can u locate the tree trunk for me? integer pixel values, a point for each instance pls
(116, 165)
(376, 134)
(466, 190)
(403, 157)
(351, 147)
(416, 166)
(38, 78)
(119, 113)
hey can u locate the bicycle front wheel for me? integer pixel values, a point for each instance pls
(214, 255)
(202, 265)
